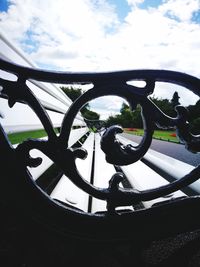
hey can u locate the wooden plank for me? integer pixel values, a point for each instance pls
(21, 118)
(50, 101)
(12, 53)
(46, 162)
(143, 177)
(76, 134)
(103, 171)
(172, 165)
(69, 193)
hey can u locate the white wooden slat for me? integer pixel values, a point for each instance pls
(50, 95)
(50, 101)
(102, 174)
(174, 167)
(46, 99)
(143, 177)
(10, 52)
(7, 76)
(69, 193)
(44, 91)
(46, 162)
(76, 134)
(85, 166)
(169, 164)
(18, 115)
(22, 118)
(21, 128)
(54, 91)
(78, 121)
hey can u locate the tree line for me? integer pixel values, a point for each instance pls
(73, 94)
(128, 119)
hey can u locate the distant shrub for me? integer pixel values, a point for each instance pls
(132, 129)
(173, 134)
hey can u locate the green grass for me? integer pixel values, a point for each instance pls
(158, 134)
(16, 138)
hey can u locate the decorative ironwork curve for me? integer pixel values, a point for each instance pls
(114, 83)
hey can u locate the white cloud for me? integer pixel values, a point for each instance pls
(134, 2)
(86, 35)
(113, 103)
(166, 90)
(180, 9)
(68, 25)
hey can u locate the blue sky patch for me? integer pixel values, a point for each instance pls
(172, 16)
(196, 17)
(4, 5)
(150, 3)
(29, 44)
(122, 8)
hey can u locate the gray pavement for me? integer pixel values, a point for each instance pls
(174, 150)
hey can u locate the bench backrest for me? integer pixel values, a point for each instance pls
(97, 194)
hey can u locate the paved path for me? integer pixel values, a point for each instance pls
(174, 150)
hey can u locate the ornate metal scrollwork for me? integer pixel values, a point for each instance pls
(56, 147)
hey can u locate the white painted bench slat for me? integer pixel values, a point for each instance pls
(103, 172)
(141, 177)
(172, 166)
(22, 118)
(46, 162)
(12, 53)
(49, 100)
(76, 134)
(69, 193)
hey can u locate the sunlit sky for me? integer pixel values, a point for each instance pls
(102, 35)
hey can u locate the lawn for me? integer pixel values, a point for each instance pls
(16, 138)
(158, 134)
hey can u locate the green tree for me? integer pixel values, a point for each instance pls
(73, 94)
(90, 115)
(175, 99)
(126, 118)
(165, 105)
(133, 119)
(193, 117)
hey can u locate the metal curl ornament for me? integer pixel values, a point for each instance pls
(57, 149)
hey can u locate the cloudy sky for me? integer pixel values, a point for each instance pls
(101, 35)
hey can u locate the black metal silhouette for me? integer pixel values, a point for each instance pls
(56, 147)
